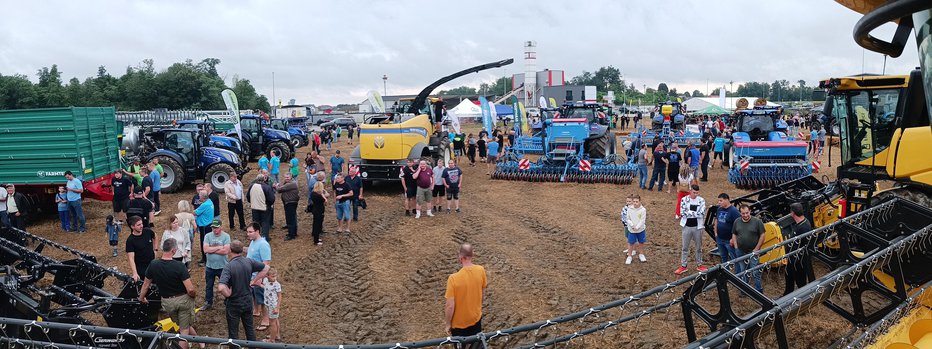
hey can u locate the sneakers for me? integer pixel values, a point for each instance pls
(206, 307)
(458, 211)
(115, 252)
(430, 214)
(156, 213)
(680, 270)
(642, 258)
(449, 211)
(417, 214)
(628, 260)
(407, 212)
(702, 268)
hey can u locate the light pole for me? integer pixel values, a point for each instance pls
(384, 84)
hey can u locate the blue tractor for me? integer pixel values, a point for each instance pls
(215, 140)
(598, 143)
(669, 124)
(763, 156)
(186, 155)
(298, 136)
(262, 140)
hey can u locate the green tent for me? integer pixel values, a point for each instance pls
(712, 110)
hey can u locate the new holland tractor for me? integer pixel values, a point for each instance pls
(670, 125)
(762, 156)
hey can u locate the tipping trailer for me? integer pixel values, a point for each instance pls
(37, 146)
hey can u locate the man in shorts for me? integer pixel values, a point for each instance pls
(409, 185)
(439, 191)
(122, 187)
(452, 178)
(424, 179)
(493, 147)
(175, 288)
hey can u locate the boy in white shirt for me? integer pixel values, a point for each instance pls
(636, 223)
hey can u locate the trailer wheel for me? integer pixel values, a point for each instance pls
(217, 176)
(173, 178)
(283, 150)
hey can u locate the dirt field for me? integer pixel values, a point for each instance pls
(549, 249)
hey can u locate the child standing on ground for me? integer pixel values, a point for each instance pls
(273, 300)
(62, 202)
(637, 225)
(113, 233)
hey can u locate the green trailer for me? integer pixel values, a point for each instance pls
(37, 146)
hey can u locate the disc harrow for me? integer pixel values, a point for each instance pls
(767, 175)
(544, 171)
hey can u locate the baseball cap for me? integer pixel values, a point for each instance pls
(216, 223)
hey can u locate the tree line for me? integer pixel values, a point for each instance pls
(184, 85)
(610, 79)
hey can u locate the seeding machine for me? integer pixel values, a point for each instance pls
(762, 156)
(669, 124)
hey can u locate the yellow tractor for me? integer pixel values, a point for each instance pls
(386, 142)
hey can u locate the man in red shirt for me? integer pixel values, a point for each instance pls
(424, 177)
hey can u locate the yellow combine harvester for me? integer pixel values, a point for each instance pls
(386, 143)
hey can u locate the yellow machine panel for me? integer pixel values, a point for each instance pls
(393, 141)
(912, 161)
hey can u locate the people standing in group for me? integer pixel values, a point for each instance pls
(725, 218)
(674, 157)
(275, 163)
(463, 310)
(204, 215)
(17, 207)
(122, 188)
(336, 164)
(693, 158)
(288, 189)
(239, 275)
(273, 297)
(146, 185)
(141, 246)
(452, 178)
(459, 144)
(439, 192)
(175, 288)
(293, 168)
(481, 147)
(692, 211)
(471, 149)
(409, 185)
(260, 251)
(259, 194)
(233, 193)
(318, 205)
(310, 168)
(156, 177)
(636, 225)
(798, 265)
(141, 207)
(424, 179)
(493, 152)
(642, 166)
(343, 194)
(659, 159)
(748, 237)
(217, 246)
(718, 148)
(62, 203)
(75, 188)
(705, 157)
(214, 199)
(349, 134)
(182, 241)
(264, 163)
(356, 185)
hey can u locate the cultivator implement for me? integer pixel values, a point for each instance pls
(529, 145)
(598, 171)
(764, 164)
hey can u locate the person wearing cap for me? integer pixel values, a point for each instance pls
(140, 207)
(217, 247)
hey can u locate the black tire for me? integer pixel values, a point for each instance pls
(217, 175)
(304, 142)
(597, 148)
(283, 150)
(174, 178)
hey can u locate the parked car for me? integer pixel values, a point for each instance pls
(340, 122)
(324, 119)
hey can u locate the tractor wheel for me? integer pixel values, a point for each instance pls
(173, 179)
(217, 175)
(296, 142)
(599, 147)
(283, 150)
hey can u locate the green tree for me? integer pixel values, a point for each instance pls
(17, 92)
(49, 90)
(696, 93)
(662, 88)
(462, 90)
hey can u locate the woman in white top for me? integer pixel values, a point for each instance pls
(183, 240)
(185, 217)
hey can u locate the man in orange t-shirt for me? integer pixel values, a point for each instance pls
(464, 296)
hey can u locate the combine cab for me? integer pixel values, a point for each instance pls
(761, 156)
(670, 125)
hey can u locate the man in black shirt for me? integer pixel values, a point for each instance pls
(122, 187)
(214, 198)
(236, 284)
(140, 247)
(799, 265)
(140, 207)
(343, 193)
(196, 200)
(175, 289)
(704, 159)
(146, 182)
(409, 184)
(660, 168)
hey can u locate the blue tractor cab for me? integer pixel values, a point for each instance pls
(186, 155)
(298, 136)
(215, 139)
(263, 139)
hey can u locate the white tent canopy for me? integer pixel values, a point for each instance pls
(699, 103)
(467, 109)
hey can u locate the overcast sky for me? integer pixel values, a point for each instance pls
(328, 52)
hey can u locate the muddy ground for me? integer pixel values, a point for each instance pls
(550, 249)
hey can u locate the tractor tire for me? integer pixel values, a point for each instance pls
(283, 150)
(598, 148)
(174, 178)
(303, 142)
(217, 175)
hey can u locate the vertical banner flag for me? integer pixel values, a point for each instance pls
(486, 114)
(492, 112)
(543, 102)
(515, 111)
(524, 126)
(553, 102)
(375, 101)
(721, 97)
(229, 99)
(454, 120)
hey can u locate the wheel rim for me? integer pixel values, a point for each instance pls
(218, 179)
(296, 142)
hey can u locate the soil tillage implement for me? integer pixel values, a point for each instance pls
(669, 125)
(763, 157)
(571, 157)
